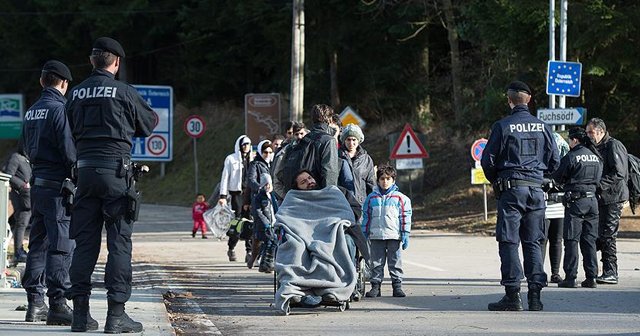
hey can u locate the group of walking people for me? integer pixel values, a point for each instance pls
(333, 156)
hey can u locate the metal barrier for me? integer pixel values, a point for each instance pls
(4, 227)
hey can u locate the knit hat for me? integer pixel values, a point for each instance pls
(352, 130)
(265, 179)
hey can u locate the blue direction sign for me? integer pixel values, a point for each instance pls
(159, 145)
(565, 116)
(563, 78)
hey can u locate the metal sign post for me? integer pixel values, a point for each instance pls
(194, 126)
(477, 174)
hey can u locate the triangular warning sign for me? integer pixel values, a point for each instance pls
(408, 146)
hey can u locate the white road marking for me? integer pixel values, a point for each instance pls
(432, 268)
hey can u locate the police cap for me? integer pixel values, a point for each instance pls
(577, 133)
(108, 44)
(58, 68)
(519, 86)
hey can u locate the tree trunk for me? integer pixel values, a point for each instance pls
(333, 70)
(424, 102)
(456, 65)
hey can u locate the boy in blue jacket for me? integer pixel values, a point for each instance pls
(386, 223)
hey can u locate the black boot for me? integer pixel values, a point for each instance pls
(510, 302)
(36, 312)
(375, 290)
(533, 296)
(82, 320)
(119, 322)
(60, 314)
(589, 283)
(568, 283)
(397, 289)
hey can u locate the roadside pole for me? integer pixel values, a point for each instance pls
(194, 126)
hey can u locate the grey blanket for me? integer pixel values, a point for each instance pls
(313, 258)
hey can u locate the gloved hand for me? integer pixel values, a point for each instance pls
(405, 241)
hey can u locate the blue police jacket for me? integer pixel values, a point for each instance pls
(520, 147)
(104, 115)
(47, 137)
(580, 170)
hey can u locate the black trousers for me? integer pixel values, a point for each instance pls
(19, 220)
(101, 201)
(50, 249)
(237, 201)
(553, 234)
(608, 225)
(581, 228)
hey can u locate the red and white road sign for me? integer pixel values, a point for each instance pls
(477, 148)
(156, 145)
(194, 126)
(408, 146)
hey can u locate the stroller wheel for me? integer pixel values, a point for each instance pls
(343, 306)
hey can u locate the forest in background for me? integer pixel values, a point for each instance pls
(436, 63)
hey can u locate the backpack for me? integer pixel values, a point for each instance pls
(634, 182)
(299, 156)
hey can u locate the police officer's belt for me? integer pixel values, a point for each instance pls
(580, 194)
(524, 183)
(40, 182)
(98, 164)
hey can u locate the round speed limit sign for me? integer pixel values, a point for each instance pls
(194, 126)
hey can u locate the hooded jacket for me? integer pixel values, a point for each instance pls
(387, 215)
(257, 167)
(231, 179)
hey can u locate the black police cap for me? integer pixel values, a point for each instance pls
(58, 68)
(577, 133)
(519, 86)
(110, 45)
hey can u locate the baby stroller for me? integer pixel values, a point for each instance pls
(313, 266)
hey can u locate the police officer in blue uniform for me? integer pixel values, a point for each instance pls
(104, 115)
(580, 172)
(520, 150)
(49, 146)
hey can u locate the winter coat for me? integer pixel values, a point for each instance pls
(257, 167)
(198, 209)
(327, 167)
(386, 216)
(362, 169)
(19, 168)
(264, 209)
(232, 172)
(613, 185)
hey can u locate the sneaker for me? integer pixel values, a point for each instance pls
(607, 279)
(589, 283)
(555, 278)
(205, 237)
(232, 255)
(193, 234)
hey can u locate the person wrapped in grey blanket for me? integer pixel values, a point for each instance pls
(313, 258)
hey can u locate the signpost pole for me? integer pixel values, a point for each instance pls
(195, 161)
(484, 193)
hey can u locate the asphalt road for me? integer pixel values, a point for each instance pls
(449, 279)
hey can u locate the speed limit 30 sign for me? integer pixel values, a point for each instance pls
(194, 126)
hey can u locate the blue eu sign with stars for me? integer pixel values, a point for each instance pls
(563, 78)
